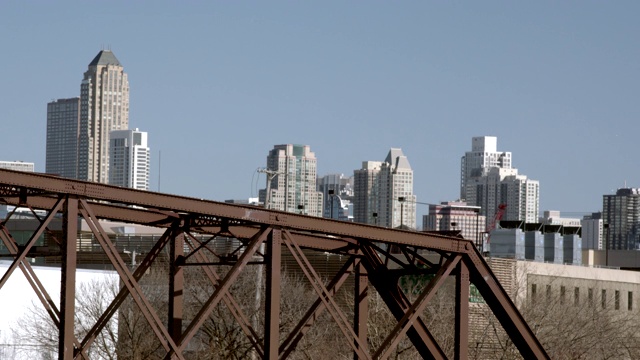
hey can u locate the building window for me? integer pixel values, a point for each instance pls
(604, 299)
(562, 291)
(630, 300)
(617, 299)
(534, 289)
(548, 292)
(576, 296)
(590, 296)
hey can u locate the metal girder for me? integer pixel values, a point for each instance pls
(365, 246)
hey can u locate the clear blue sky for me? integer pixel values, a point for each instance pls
(217, 84)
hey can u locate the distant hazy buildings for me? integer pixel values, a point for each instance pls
(129, 158)
(383, 192)
(63, 123)
(104, 107)
(17, 165)
(621, 216)
(488, 180)
(552, 217)
(293, 186)
(337, 193)
(455, 216)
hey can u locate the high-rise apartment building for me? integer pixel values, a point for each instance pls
(104, 107)
(621, 217)
(293, 185)
(483, 157)
(383, 192)
(63, 123)
(129, 158)
(488, 180)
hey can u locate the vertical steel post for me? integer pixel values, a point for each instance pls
(272, 301)
(68, 279)
(361, 303)
(462, 312)
(176, 286)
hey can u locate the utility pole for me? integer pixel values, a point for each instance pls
(271, 174)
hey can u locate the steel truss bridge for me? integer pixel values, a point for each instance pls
(263, 234)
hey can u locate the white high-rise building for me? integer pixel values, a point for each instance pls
(483, 156)
(104, 107)
(129, 159)
(383, 192)
(488, 180)
(293, 186)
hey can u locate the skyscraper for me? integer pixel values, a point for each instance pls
(293, 189)
(621, 216)
(104, 107)
(129, 159)
(383, 192)
(63, 122)
(488, 180)
(483, 156)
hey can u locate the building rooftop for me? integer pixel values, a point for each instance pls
(105, 57)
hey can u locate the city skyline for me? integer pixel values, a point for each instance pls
(555, 85)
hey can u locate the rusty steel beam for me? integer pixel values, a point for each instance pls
(314, 311)
(129, 281)
(461, 341)
(68, 280)
(398, 304)
(232, 305)
(252, 226)
(248, 214)
(272, 298)
(503, 307)
(32, 240)
(124, 291)
(361, 307)
(415, 310)
(176, 286)
(325, 296)
(224, 285)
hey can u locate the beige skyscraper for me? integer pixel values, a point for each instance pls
(383, 192)
(294, 187)
(104, 106)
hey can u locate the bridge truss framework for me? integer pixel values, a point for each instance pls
(263, 234)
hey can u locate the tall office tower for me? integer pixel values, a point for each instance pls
(482, 157)
(129, 159)
(104, 107)
(592, 231)
(17, 166)
(337, 192)
(365, 192)
(455, 216)
(63, 122)
(383, 192)
(621, 216)
(488, 180)
(293, 189)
